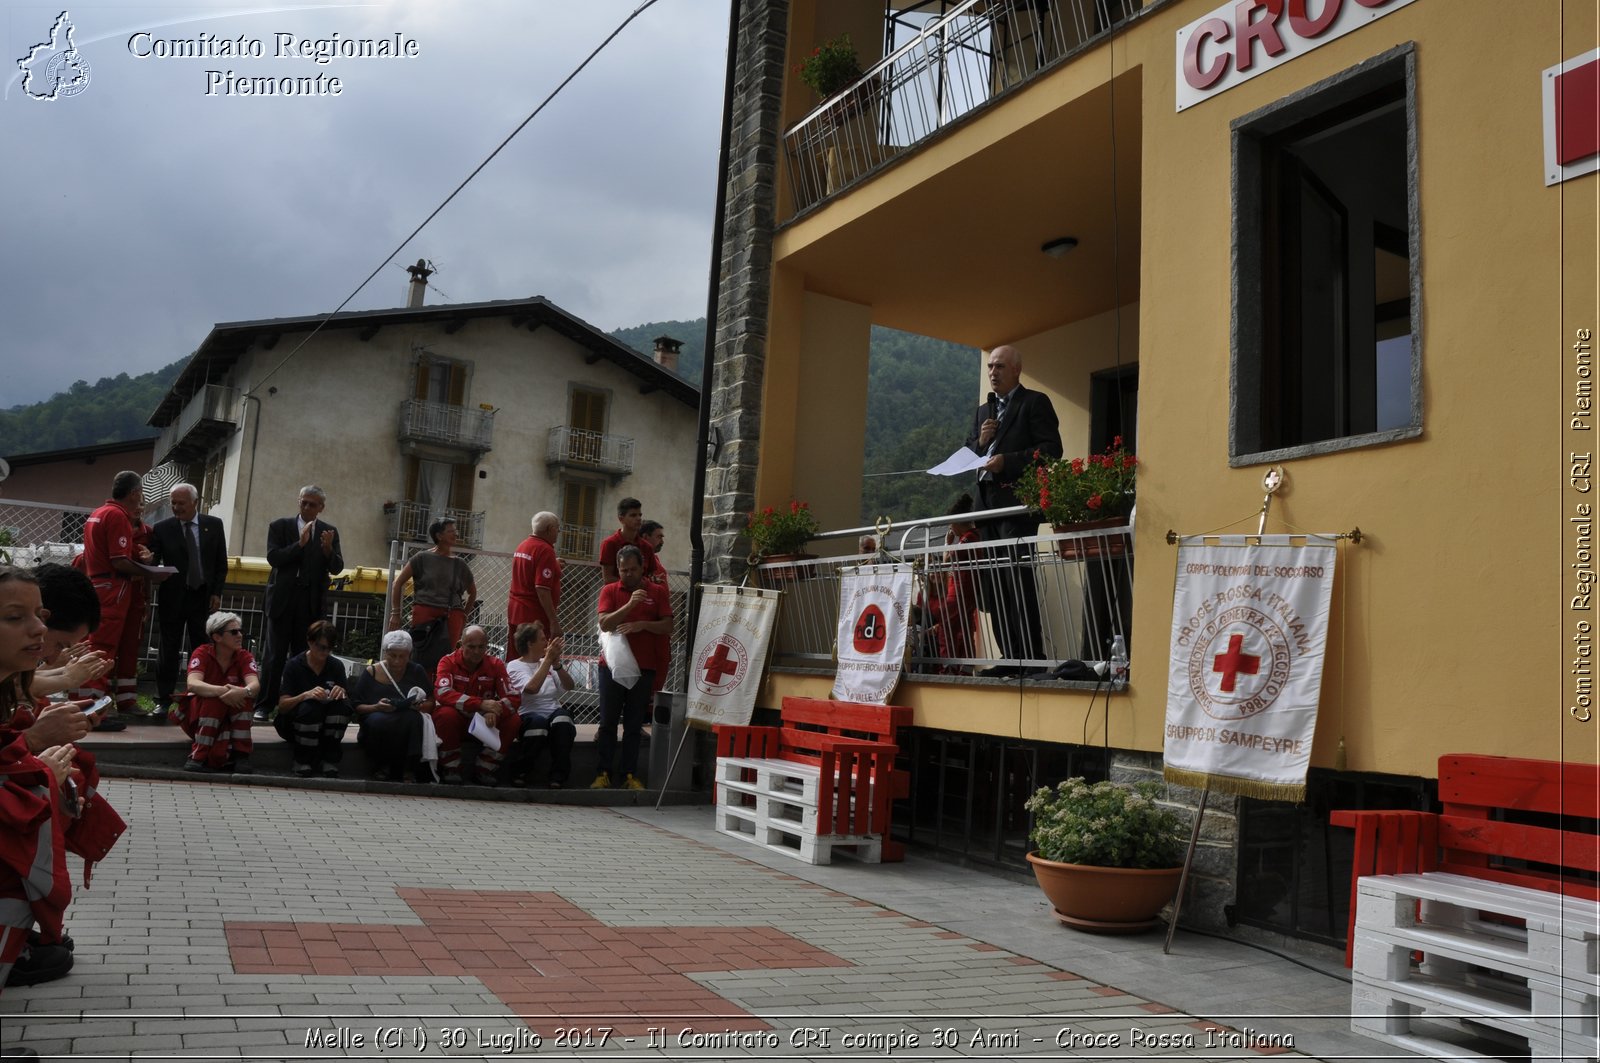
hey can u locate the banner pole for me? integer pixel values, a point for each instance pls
(676, 753)
(1188, 861)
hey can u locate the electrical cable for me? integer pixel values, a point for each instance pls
(1267, 949)
(457, 191)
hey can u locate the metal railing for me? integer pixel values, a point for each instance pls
(1031, 602)
(977, 52)
(578, 540)
(210, 414)
(408, 521)
(440, 422)
(591, 450)
(580, 591)
(32, 533)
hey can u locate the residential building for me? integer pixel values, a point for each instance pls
(1353, 239)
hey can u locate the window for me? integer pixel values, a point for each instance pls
(580, 502)
(1325, 345)
(439, 485)
(441, 380)
(211, 479)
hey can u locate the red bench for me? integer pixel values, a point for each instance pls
(1486, 909)
(821, 781)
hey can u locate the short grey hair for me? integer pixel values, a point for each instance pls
(398, 639)
(313, 489)
(545, 519)
(189, 489)
(217, 621)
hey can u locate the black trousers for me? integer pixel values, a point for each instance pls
(182, 629)
(286, 636)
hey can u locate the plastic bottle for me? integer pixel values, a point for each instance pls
(1119, 662)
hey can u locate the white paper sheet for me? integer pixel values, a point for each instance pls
(963, 460)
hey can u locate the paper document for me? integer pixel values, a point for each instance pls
(963, 460)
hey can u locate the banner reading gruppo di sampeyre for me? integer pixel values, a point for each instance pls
(874, 605)
(1249, 633)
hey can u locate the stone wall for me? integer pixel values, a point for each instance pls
(1212, 879)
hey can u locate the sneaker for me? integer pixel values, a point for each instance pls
(66, 942)
(261, 716)
(198, 766)
(305, 771)
(330, 771)
(239, 765)
(601, 781)
(630, 783)
(111, 723)
(452, 778)
(40, 963)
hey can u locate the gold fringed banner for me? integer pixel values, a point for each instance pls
(1228, 784)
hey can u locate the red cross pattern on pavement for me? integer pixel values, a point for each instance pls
(1235, 663)
(720, 666)
(543, 956)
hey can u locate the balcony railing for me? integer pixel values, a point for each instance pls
(1082, 582)
(209, 417)
(590, 450)
(408, 522)
(446, 425)
(578, 540)
(977, 52)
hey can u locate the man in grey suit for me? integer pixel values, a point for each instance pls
(1009, 428)
(304, 553)
(193, 543)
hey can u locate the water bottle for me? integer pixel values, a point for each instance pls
(1119, 662)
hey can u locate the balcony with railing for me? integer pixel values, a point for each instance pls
(205, 420)
(441, 424)
(956, 64)
(1082, 582)
(408, 522)
(579, 540)
(578, 448)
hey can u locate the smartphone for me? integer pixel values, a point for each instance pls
(103, 703)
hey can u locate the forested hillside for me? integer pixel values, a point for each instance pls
(111, 410)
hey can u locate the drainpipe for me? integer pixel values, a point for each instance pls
(697, 552)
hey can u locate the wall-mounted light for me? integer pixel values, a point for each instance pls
(1059, 246)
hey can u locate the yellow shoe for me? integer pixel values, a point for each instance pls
(601, 781)
(630, 783)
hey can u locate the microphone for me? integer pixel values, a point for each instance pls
(994, 406)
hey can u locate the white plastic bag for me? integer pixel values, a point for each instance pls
(430, 744)
(619, 658)
(479, 728)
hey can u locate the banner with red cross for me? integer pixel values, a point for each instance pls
(730, 653)
(874, 607)
(1249, 634)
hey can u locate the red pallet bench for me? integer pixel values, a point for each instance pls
(1488, 910)
(822, 781)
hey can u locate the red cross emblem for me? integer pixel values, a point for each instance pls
(1235, 663)
(540, 954)
(720, 666)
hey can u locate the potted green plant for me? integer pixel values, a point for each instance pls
(780, 534)
(832, 67)
(1079, 494)
(1107, 856)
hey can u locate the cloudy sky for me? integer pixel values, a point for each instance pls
(141, 210)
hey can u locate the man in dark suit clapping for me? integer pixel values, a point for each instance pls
(304, 552)
(193, 543)
(1009, 429)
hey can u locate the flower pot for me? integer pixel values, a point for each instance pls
(1106, 900)
(786, 575)
(1095, 546)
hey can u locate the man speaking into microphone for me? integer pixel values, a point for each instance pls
(1008, 429)
(304, 552)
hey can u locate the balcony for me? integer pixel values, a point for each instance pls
(440, 424)
(579, 541)
(975, 54)
(578, 449)
(205, 420)
(408, 522)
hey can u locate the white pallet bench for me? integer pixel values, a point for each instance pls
(778, 811)
(1539, 983)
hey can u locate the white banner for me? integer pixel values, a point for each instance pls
(874, 607)
(1249, 632)
(730, 653)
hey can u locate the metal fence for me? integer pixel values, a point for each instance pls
(1082, 582)
(32, 533)
(580, 591)
(976, 52)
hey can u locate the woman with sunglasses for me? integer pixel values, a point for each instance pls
(223, 684)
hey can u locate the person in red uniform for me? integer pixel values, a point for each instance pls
(223, 683)
(113, 541)
(536, 578)
(654, 535)
(472, 682)
(641, 610)
(630, 518)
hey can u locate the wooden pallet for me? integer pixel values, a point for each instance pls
(773, 803)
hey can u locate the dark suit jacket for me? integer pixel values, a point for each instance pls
(1029, 425)
(169, 542)
(299, 572)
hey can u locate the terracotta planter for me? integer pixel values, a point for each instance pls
(786, 575)
(1106, 900)
(1094, 547)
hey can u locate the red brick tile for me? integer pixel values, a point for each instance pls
(1024, 961)
(1066, 976)
(1157, 1009)
(949, 935)
(1107, 991)
(984, 946)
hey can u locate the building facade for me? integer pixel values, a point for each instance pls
(1353, 239)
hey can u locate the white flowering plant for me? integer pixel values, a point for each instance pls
(1105, 824)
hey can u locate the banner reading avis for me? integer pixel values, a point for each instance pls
(874, 610)
(1249, 633)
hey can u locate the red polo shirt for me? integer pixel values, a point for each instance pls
(107, 533)
(646, 646)
(614, 542)
(534, 565)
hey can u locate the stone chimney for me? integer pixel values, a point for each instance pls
(666, 352)
(419, 282)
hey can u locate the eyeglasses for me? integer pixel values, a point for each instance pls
(234, 631)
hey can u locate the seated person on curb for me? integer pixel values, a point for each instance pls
(223, 685)
(470, 682)
(541, 678)
(312, 708)
(640, 610)
(391, 699)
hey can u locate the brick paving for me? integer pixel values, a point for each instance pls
(238, 922)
